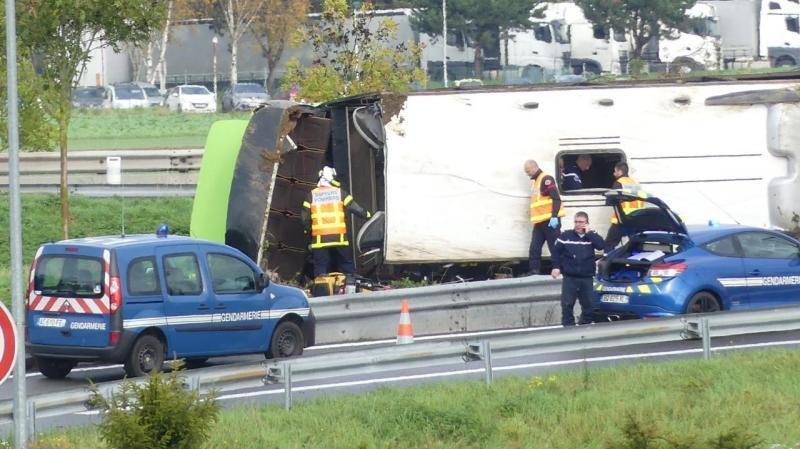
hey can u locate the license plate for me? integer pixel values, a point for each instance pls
(618, 299)
(51, 322)
(200, 105)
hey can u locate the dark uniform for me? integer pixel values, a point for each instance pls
(574, 256)
(545, 204)
(323, 214)
(573, 179)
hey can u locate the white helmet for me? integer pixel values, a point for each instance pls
(326, 176)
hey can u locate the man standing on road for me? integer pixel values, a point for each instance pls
(323, 213)
(575, 176)
(545, 211)
(574, 255)
(623, 181)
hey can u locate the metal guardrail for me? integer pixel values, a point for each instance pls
(445, 308)
(144, 172)
(457, 350)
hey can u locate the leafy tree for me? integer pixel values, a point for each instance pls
(279, 20)
(641, 18)
(233, 17)
(353, 55)
(37, 132)
(59, 36)
(482, 21)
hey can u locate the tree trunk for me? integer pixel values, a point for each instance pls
(149, 65)
(234, 59)
(163, 50)
(478, 63)
(63, 127)
(271, 66)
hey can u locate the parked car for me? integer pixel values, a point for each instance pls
(90, 97)
(154, 97)
(244, 96)
(668, 268)
(126, 96)
(190, 98)
(135, 299)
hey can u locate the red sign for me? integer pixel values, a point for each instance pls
(8, 343)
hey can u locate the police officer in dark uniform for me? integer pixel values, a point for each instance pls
(545, 213)
(574, 256)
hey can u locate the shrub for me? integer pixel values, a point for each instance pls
(156, 414)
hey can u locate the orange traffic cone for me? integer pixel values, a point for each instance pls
(405, 334)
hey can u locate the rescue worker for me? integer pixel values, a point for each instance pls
(545, 213)
(323, 213)
(574, 254)
(624, 182)
(575, 176)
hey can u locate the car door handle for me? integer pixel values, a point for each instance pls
(219, 306)
(203, 307)
(535, 52)
(755, 273)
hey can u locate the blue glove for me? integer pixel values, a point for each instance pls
(553, 222)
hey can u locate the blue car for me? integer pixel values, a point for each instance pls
(668, 268)
(140, 299)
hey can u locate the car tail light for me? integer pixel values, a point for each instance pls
(668, 270)
(114, 295)
(113, 338)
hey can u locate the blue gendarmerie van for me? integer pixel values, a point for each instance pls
(142, 298)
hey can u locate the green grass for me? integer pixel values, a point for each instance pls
(89, 217)
(752, 398)
(141, 128)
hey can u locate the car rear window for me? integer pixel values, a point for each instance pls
(152, 92)
(69, 276)
(129, 93)
(192, 90)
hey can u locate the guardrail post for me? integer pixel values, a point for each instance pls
(31, 412)
(287, 385)
(486, 348)
(706, 336)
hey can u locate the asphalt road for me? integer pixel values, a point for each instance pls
(528, 366)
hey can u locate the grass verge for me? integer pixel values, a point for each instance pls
(89, 217)
(737, 401)
(141, 128)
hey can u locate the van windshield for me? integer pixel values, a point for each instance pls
(69, 276)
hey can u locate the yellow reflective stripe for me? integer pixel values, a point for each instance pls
(335, 183)
(644, 289)
(306, 204)
(325, 245)
(347, 200)
(656, 280)
(628, 290)
(333, 214)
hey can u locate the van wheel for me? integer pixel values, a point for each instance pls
(703, 302)
(147, 356)
(287, 341)
(55, 368)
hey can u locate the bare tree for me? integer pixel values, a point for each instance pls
(276, 23)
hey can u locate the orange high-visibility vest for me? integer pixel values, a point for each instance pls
(631, 184)
(542, 205)
(328, 226)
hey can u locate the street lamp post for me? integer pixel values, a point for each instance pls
(214, 41)
(444, 41)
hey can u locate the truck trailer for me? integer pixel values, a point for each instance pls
(445, 167)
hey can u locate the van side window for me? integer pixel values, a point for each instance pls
(587, 169)
(183, 275)
(793, 24)
(142, 278)
(230, 275)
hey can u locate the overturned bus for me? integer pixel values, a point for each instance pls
(445, 167)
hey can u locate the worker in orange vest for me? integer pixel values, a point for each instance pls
(545, 213)
(624, 182)
(323, 213)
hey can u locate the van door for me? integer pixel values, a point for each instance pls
(241, 311)
(188, 304)
(68, 298)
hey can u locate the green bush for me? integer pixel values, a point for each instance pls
(157, 414)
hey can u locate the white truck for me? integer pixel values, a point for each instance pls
(758, 32)
(446, 167)
(563, 41)
(695, 49)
